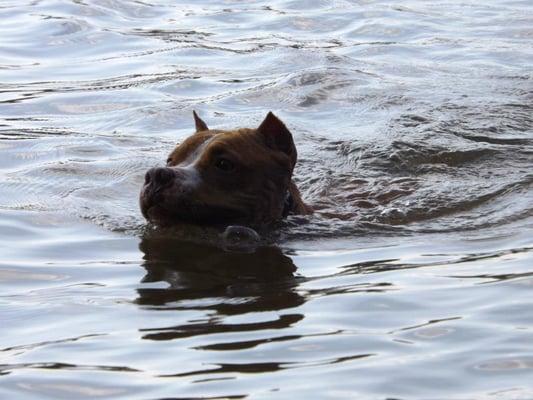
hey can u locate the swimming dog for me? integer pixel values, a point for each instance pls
(222, 177)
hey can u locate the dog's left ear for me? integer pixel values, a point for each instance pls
(277, 136)
(199, 124)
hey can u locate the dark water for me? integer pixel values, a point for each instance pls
(414, 126)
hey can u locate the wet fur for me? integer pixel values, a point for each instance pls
(254, 193)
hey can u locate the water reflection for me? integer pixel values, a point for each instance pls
(206, 277)
(413, 127)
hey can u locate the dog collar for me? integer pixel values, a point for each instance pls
(287, 204)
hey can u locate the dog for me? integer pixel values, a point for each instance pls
(226, 177)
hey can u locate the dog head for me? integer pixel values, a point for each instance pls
(239, 176)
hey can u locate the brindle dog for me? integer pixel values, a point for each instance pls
(241, 176)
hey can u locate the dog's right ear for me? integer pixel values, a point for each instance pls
(200, 125)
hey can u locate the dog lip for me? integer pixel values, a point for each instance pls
(148, 212)
(149, 198)
(146, 206)
(190, 213)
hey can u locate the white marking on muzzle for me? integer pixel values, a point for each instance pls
(189, 167)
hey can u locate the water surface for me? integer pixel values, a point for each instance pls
(414, 128)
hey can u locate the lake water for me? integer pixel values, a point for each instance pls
(414, 127)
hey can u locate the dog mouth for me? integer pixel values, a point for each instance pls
(149, 200)
(186, 212)
(162, 208)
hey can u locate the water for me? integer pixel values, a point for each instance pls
(414, 127)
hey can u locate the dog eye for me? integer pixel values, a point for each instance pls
(224, 164)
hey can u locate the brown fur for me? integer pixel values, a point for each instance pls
(253, 191)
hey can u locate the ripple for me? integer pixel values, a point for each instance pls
(507, 364)
(413, 124)
(7, 368)
(266, 367)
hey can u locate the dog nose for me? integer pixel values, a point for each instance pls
(158, 176)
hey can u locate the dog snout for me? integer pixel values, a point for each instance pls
(159, 176)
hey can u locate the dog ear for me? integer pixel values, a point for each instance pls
(200, 125)
(277, 136)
